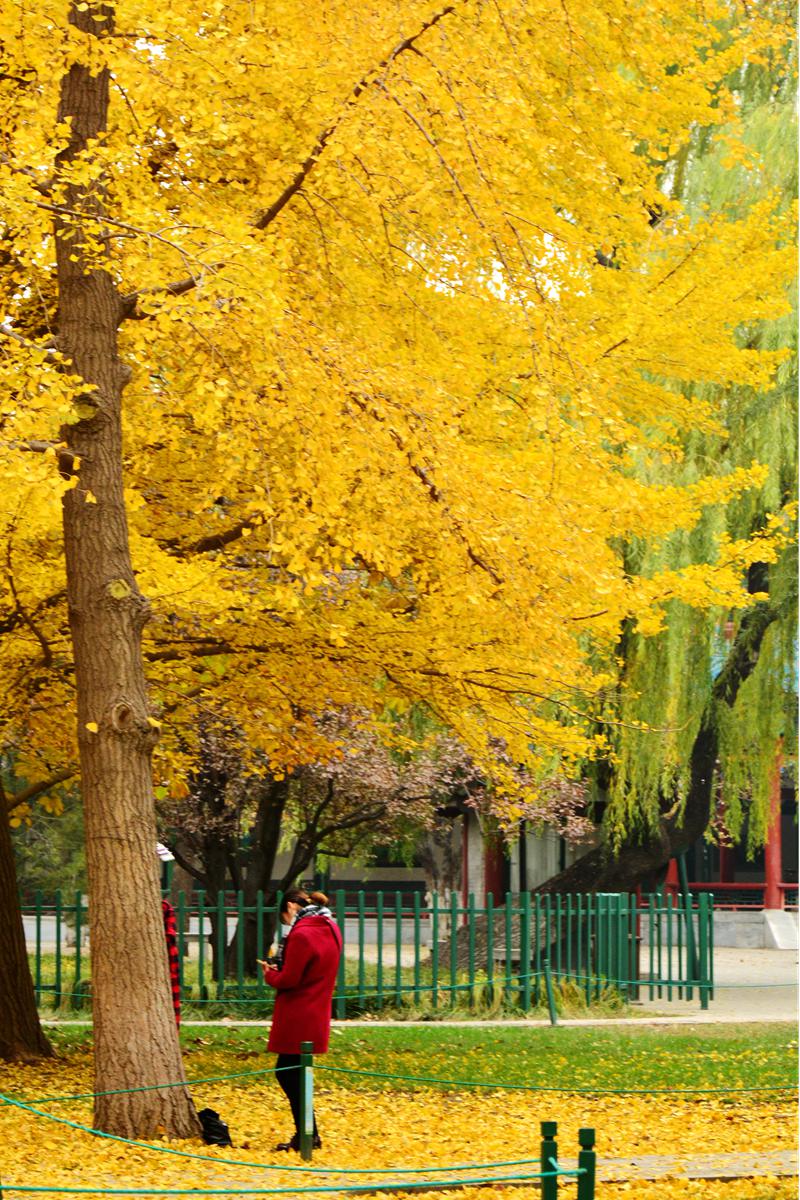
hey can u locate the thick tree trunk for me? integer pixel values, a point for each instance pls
(136, 1042)
(645, 863)
(21, 1036)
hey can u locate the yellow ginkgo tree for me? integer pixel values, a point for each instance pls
(390, 292)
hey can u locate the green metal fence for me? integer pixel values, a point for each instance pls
(506, 953)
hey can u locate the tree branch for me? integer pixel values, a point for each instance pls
(9, 623)
(47, 653)
(365, 82)
(188, 868)
(129, 302)
(8, 332)
(33, 790)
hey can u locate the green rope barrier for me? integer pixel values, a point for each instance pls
(526, 1087)
(157, 1087)
(234, 1162)
(465, 1083)
(402, 1186)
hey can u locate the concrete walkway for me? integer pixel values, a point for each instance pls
(694, 1166)
(750, 985)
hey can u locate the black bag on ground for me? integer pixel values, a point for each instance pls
(215, 1131)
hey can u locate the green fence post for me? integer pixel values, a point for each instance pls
(525, 949)
(570, 971)
(181, 940)
(471, 946)
(222, 937)
(398, 948)
(551, 1000)
(261, 949)
(600, 941)
(651, 944)
(691, 949)
(58, 915)
(490, 946)
(623, 974)
(360, 907)
(559, 935)
(509, 950)
(537, 944)
(669, 946)
(417, 947)
(37, 899)
(78, 936)
(587, 1164)
(240, 943)
(379, 935)
(591, 944)
(453, 947)
(201, 944)
(435, 950)
(680, 909)
(278, 935)
(711, 944)
(702, 937)
(634, 943)
(341, 986)
(549, 1160)
(306, 1100)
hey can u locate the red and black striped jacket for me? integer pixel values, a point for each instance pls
(171, 935)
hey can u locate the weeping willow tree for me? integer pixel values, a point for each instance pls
(702, 705)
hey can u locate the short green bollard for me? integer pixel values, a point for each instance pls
(306, 1100)
(587, 1164)
(549, 1160)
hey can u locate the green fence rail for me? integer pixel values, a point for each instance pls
(520, 952)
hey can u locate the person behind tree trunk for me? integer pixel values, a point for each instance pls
(171, 939)
(304, 976)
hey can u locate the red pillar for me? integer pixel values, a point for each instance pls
(773, 896)
(493, 861)
(727, 864)
(671, 883)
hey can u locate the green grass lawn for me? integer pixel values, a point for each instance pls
(633, 1057)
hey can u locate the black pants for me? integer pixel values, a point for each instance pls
(290, 1082)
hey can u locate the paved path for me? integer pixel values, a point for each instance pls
(695, 1166)
(750, 985)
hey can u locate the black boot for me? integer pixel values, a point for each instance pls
(294, 1144)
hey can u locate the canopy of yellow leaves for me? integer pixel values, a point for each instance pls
(374, 351)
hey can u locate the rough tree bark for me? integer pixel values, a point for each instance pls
(136, 1041)
(645, 863)
(21, 1036)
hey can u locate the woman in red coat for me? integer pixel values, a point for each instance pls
(304, 975)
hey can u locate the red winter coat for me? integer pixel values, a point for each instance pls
(305, 985)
